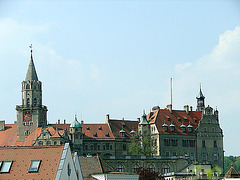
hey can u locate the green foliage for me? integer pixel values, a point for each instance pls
(142, 145)
(231, 160)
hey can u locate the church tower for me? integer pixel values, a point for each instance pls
(31, 114)
(200, 101)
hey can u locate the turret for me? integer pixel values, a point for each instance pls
(31, 114)
(200, 101)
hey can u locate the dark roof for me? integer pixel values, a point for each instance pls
(93, 165)
(177, 118)
(31, 72)
(232, 173)
(127, 125)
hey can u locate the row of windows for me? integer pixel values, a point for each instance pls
(204, 144)
(95, 146)
(5, 166)
(40, 143)
(214, 156)
(151, 167)
(28, 101)
(174, 142)
(175, 154)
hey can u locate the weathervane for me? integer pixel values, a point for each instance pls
(31, 47)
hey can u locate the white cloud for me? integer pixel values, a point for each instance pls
(219, 72)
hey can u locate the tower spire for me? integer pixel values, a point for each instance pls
(200, 100)
(31, 72)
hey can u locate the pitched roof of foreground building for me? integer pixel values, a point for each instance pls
(178, 118)
(93, 165)
(21, 158)
(232, 173)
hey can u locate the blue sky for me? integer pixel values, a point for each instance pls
(117, 57)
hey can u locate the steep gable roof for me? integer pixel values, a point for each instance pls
(127, 125)
(177, 118)
(232, 173)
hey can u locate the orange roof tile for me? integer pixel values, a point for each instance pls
(22, 156)
(159, 118)
(97, 132)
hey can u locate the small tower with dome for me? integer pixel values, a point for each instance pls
(76, 136)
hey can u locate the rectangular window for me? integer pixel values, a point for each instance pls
(215, 144)
(166, 142)
(203, 143)
(174, 142)
(98, 147)
(34, 166)
(174, 154)
(192, 156)
(167, 153)
(124, 147)
(104, 147)
(107, 146)
(215, 157)
(95, 146)
(86, 147)
(5, 166)
(185, 143)
(204, 156)
(192, 143)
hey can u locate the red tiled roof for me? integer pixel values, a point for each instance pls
(22, 156)
(232, 173)
(117, 125)
(177, 117)
(97, 132)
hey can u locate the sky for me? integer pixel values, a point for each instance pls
(117, 57)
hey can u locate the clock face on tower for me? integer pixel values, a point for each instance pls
(27, 116)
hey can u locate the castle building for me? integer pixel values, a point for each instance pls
(182, 137)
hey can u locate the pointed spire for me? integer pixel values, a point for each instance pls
(31, 72)
(200, 95)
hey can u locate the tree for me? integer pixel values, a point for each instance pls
(147, 174)
(143, 145)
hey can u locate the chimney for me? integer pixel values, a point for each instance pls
(186, 108)
(58, 121)
(64, 121)
(138, 120)
(81, 121)
(107, 117)
(169, 107)
(2, 125)
(191, 108)
(155, 108)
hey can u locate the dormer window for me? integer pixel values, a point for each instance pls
(122, 132)
(87, 128)
(168, 118)
(132, 132)
(190, 128)
(172, 127)
(179, 119)
(183, 127)
(100, 128)
(34, 167)
(165, 127)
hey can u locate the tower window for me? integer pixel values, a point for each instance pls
(27, 86)
(203, 143)
(35, 101)
(215, 144)
(28, 101)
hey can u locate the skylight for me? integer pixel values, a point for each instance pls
(5, 166)
(34, 166)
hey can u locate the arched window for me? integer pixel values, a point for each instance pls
(35, 101)
(134, 168)
(48, 142)
(165, 169)
(40, 143)
(28, 101)
(120, 168)
(27, 86)
(151, 167)
(55, 143)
